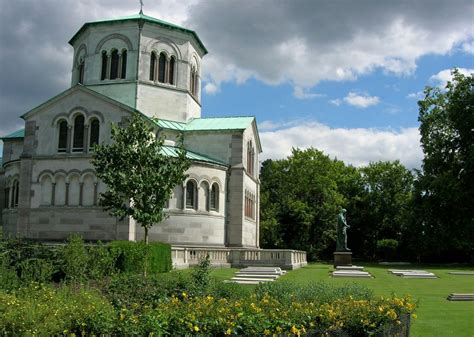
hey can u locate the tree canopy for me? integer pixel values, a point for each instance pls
(139, 176)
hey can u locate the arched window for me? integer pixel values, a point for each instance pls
(81, 72)
(123, 72)
(17, 193)
(78, 142)
(62, 141)
(7, 196)
(94, 137)
(250, 158)
(153, 67)
(171, 70)
(191, 194)
(214, 202)
(103, 74)
(114, 65)
(162, 68)
(192, 80)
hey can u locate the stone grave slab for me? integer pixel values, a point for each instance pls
(460, 297)
(461, 273)
(350, 273)
(350, 268)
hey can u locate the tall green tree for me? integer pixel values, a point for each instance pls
(445, 186)
(139, 176)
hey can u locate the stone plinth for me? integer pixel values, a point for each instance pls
(342, 259)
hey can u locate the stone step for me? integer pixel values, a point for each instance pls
(276, 270)
(250, 279)
(349, 268)
(351, 273)
(398, 271)
(461, 273)
(418, 276)
(255, 275)
(460, 297)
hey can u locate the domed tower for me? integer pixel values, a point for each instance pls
(145, 63)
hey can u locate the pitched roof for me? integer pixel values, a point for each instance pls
(194, 156)
(17, 134)
(136, 17)
(207, 124)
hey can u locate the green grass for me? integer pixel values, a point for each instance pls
(436, 315)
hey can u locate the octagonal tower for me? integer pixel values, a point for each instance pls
(145, 63)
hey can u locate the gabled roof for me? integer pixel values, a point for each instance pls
(82, 88)
(194, 156)
(137, 17)
(17, 134)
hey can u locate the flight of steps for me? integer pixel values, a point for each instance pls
(256, 275)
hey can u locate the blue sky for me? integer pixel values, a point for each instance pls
(340, 76)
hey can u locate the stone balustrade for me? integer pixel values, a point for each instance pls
(184, 257)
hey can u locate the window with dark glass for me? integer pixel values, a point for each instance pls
(191, 84)
(7, 195)
(17, 190)
(190, 195)
(81, 72)
(104, 66)
(171, 70)
(95, 128)
(162, 68)
(62, 141)
(152, 67)
(123, 74)
(214, 197)
(78, 141)
(114, 65)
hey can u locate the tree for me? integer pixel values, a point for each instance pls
(445, 186)
(139, 176)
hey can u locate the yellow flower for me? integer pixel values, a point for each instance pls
(266, 332)
(228, 331)
(414, 316)
(184, 295)
(196, 328)
(294, 330)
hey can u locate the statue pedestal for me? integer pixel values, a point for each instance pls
(342, 259)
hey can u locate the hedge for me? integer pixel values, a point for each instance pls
(135, 257)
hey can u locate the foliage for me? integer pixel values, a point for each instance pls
(387, 248)
(38, 310)
(200, 276)
(75, 259)
(302, 195)
(136, 257)
(139, 176)
(46, 311)
(445, 187)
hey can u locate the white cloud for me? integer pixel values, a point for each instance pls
(336, 102)
(468, 47)
(302, 93)
(357, 146)
(362, 100)
(416, 95)
(391, 36)
(210, 88)
(440, 79)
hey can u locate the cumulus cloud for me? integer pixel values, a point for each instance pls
(362, 100)
(302, 93)
(416, 95)
(356, 146)
(441, 79)
(305, 42)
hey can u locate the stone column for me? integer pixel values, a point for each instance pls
(119, 70)
(69, 139)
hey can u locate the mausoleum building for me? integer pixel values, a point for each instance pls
(125, 66)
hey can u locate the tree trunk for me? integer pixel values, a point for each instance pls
(146, 235)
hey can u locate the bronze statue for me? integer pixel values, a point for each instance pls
(341, 241)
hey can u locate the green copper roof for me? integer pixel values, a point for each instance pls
(136, 17)
(173, 152)
(167, 124)
(204, 124)
(16, 134)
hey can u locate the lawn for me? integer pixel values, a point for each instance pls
(436, 315)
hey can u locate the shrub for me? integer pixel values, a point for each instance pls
(201, 276)
(75, 260)
(138, 257)
(387, 248)
(102, 261)
(38, 310)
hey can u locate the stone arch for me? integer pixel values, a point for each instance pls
(82, 50)
(59, 188)
(75, 111)
(203, 194)
(74, 188)
(45, 173)
(60, 117)
(154, 45)
(88, 172)
(95, 114)
(46, 181)
(121, 37)
(217, 181)
(89, 189)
